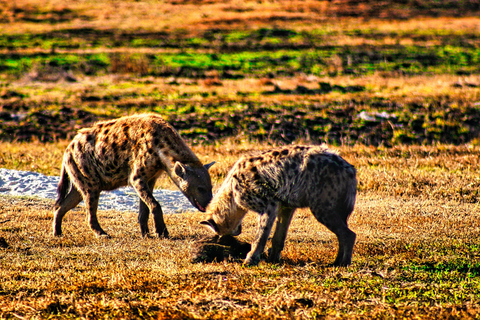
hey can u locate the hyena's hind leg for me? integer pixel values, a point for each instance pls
(337, 223)
(144, 212)
(86, 186)
(284, 218)
(71, 200)
(91, 203)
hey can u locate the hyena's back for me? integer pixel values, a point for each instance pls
(301, 176)
(105, 153)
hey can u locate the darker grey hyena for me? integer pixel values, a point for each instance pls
(131, 150)
(276, 182)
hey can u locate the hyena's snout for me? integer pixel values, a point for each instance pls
(200, 198)
(223, 228)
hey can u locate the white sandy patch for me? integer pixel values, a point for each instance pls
(25, 183)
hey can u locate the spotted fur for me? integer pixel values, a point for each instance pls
(274, 183)
(131, 150)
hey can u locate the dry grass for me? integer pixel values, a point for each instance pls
(416, 255)
(197, 16)
(34, 156)
(411, 256)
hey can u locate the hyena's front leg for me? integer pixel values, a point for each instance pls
(144, 212)
(146, 196)
(265, 223)
(285, 215)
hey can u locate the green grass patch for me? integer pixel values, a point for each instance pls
(257, 61)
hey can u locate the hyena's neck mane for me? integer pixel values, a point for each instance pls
(178, 151)
(171, 147)
(224, 200)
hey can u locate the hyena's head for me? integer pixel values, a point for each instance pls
(224, 216)
(195, 183)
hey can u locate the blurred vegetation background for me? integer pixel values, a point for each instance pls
(340, 72)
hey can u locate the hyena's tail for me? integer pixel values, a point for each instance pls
(63, 186)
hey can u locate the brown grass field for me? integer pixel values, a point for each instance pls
(417, 221)
(417, 216)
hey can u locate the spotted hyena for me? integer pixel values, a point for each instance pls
(131, 150)
(274, 183)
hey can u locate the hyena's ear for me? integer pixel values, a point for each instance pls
(180, 170)
(210, 224)
(207, 166)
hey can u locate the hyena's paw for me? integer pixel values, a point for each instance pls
(273, 256)
(57, 229)
(163, 234)
(251, 260)
(57, 233)
(345, 263)
(102, 234)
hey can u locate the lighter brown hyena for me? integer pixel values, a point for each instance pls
(274, 183)
(131, 150)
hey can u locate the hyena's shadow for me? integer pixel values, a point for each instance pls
(185, 237)
(220, 248)
(300, 252)
(302, 263)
